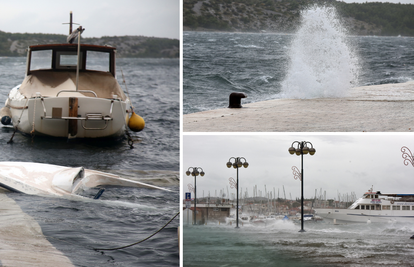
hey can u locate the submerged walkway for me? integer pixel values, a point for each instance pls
(21, 240)
(376, 108)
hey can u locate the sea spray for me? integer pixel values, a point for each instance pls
(322, 61)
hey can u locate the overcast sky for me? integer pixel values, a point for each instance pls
(157, 18)
(342, 163)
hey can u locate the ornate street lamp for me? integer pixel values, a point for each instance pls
(238, 163)
(195, 171)
(302, 148)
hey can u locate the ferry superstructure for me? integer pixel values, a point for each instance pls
(374, 207)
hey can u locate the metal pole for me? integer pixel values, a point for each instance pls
(77, 65)
(70, 23)
(195, 200)
(301, 212)
(237, 207)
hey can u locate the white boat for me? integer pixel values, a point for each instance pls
(47, 179)
(70, 90)
(243, 219)
(374, 207)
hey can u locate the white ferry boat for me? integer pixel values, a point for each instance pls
(374, 207)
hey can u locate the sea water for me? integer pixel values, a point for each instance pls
(322, 61)
(281, 244)
(121, 216)
(274, 65)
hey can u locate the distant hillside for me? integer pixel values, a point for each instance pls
(283, 16)
(15, 44)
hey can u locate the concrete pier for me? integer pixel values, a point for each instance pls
(21, 240)
(376, 108)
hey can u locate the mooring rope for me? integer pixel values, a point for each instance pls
(18, 122)
(136, 243)
(118, 248)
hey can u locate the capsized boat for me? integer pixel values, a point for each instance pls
(374, 207)
(47, 179)
(70, 90)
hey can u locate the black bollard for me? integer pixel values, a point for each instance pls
(235, 100)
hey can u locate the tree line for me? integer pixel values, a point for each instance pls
(392, 19)
(15, 44)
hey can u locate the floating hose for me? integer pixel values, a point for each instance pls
(136, 243)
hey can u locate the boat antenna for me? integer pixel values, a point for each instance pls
(70, 23)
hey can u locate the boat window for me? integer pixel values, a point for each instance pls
(98, 61)
(41, 60)
(372, 207)
(405, 207)
(395, 207)
(357, 208)
(386, 207)
(67, 60)
(378, 207)
(362, 207)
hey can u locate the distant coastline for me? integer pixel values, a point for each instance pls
(283, 16)
(15, 44)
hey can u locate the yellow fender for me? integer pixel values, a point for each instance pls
(136, 123)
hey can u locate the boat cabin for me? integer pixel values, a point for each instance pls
(64, 57)
(52, 70)
(372, 201)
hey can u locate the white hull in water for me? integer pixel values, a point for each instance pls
(70, 90)
(47, 115)
(374, 207)
(46, 179)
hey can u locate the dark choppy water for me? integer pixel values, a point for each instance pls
(282, 245)
(124, 215)
(217, 64)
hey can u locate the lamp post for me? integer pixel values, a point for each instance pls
(302, 148)
(195, 171)
(237, 164)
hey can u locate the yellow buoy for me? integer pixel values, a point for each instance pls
(136, 123)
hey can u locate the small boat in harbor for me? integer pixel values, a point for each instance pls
(70, 90)
(47, 179)
(374, 207)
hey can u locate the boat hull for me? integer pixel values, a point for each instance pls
(365, 216)
(47, 179)
(69, 115)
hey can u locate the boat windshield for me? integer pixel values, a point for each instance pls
(67, 60)
(64, 57)
(41, 60)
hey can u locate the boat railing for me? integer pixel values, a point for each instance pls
(88, 116)
(78, 91)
